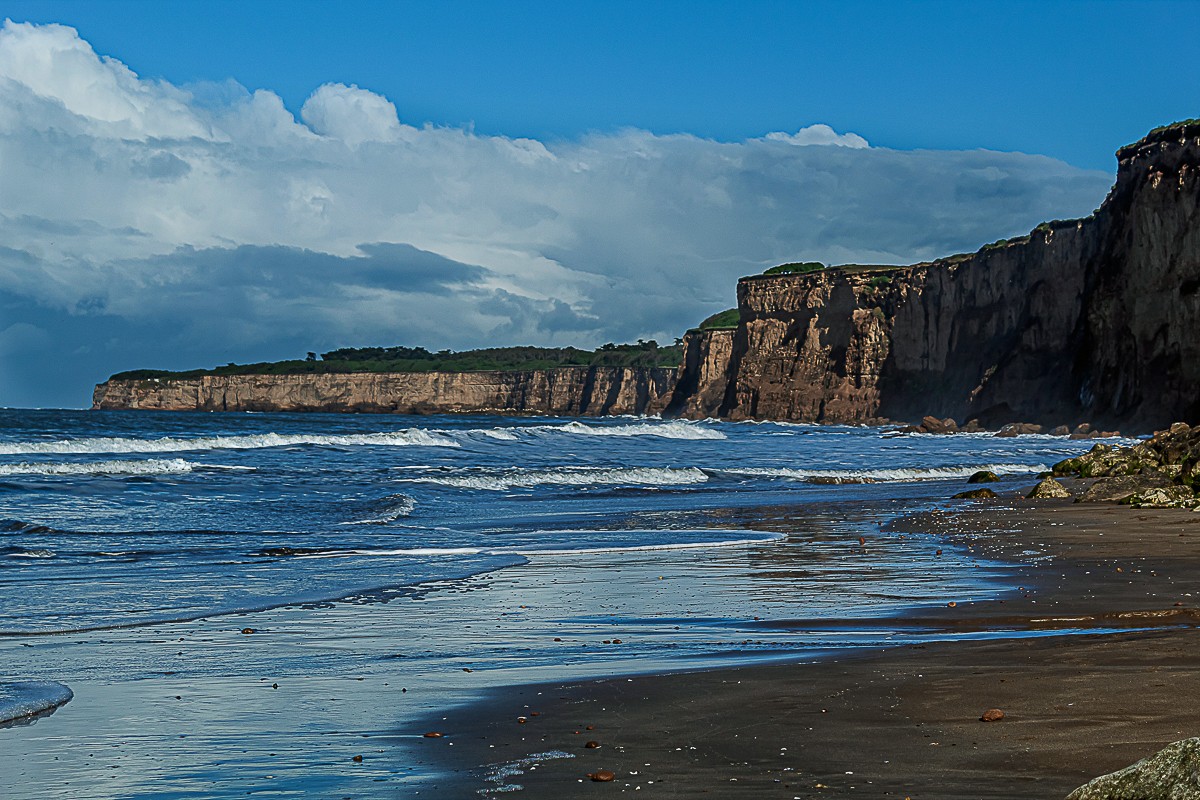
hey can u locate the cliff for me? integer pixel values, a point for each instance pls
(1085, 320)
(1090, 320)
(567, 391)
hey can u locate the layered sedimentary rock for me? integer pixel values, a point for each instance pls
(1091, 319)
(568, 391)
(707, 356)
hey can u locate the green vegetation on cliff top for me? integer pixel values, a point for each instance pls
(418, 359)
(722, 320)
(799, 267)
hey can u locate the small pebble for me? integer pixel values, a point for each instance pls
(602, 776)
(992, 715)
(592, 745)
(432, 735)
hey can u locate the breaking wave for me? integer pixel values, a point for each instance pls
(170, 444)
(516, 478)
(389, 509)
(152, 466)
(676, 429)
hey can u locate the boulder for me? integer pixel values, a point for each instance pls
(1172, 773)
(975, 494)
(1120, 489)
(1019, 429)
(935, 425)
(1048, 488)
(973, 426)
(1166, 497)
(983, 476)
(1061, 430)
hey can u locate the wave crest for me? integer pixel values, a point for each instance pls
(516, 478)
(255, 441)
(152, 466)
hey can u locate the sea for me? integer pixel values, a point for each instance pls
(216, 605)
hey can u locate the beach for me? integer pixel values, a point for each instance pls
(283, 604)
(1099, 672)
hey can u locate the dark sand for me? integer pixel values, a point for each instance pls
(902, 722)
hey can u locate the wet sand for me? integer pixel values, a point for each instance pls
(1101, 671)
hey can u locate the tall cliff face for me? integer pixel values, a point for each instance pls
(567, 391)
(704, 374)
(1092, 319)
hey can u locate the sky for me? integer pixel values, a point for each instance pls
(191, 184)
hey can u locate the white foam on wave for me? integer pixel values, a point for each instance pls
(675, 429)
(32, 554)
(516, 478)
(20, 699)
(152, 466)
(886, 475)
(254, 441)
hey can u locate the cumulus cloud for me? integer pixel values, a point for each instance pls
(819, 134)
(146, 224)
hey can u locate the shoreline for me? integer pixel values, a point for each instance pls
(1097, 675)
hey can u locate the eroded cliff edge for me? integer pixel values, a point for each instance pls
(1093, 319)
(567, 391)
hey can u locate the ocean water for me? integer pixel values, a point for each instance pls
(238, 604)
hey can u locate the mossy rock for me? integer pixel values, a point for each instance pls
(1172, 773)
(1048, 488)
(983, 476)
(975, 494)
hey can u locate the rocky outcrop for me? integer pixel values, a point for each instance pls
(1090, 319)
(1162, 471)
(704, 374)
(567, 391)
(1172, 773)
(810, 347)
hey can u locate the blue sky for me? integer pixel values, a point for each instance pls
(1071, 80)
(190, 184)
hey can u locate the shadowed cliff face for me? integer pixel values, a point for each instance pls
(1087, 320)
(567, 391)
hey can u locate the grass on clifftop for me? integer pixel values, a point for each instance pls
(722, 320)
(418, 359)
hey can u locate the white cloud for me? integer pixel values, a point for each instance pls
(205, 223)
(352, 114)
(819, 134)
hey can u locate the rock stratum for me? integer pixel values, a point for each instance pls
(1084, 320)
(565, 391)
